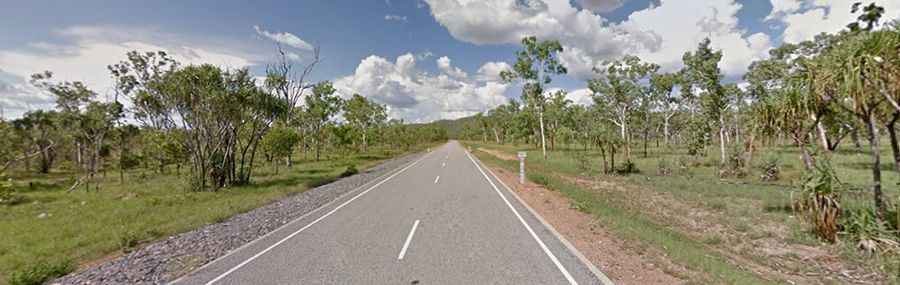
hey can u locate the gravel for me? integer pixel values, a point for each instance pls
(168, 259)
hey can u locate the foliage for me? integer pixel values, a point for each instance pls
(41, 272)
(819, 200)
(770, 169)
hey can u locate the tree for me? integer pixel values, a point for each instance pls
(91, 120)
(662, 85)
(702, 78)
(321, 107)
(364, 115)
(37, 129)
(535, 65)
(855, 75)
(279, 142)
(622, 87)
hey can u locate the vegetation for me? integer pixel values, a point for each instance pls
(57, 201)
(812, 97)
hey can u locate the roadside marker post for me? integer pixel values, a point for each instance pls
(522, 156)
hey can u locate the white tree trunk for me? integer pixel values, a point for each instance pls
(543, 138)
(722, 138)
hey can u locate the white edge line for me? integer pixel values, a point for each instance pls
(596, 271)
(233, 251)
(436, 179)
(527, 227)
(408, 239)
(223, 275)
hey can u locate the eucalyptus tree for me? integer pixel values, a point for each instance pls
(289, 83)
(38, 132)
(662, 85)
(91, 120)
(364, 115)
(535, 65)
(279, 142)
(703, 79)
(621, 87)
(321, 107)
(558, 113)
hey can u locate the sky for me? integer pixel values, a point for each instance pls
(425, 59)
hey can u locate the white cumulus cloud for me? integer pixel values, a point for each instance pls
(661, 33)
(84, 52)
(285, 38)
(418, 96)
(804, 19)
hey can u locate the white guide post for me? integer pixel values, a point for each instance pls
(522, 156)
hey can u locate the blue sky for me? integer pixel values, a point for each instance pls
(392, 51)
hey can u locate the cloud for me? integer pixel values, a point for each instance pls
(284, 38)
(601, 5)
(418, 96)
(82, 53)
(490, 71)
(804, 19)
(581, 97)
(397, 18)
(661, 33)
(444, 65)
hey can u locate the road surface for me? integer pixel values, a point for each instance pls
(442, 219)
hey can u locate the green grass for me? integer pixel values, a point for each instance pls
(84, 226)
(635, 226)
(739, 204)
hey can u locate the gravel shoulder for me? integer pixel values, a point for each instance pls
(170, 258)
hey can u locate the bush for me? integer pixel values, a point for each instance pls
(350, 171)
(664, 167)
(735, 164)
(684, 166)
(769, 168)
(41, 272)
(820, 200)
(128, 239)
(8, 195)
(871, 235)
(628, 167)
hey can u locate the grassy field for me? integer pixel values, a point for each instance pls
(734, 231)
(52, 230)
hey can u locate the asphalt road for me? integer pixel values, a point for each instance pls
(442, 219)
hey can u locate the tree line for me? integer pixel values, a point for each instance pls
(816, 95)
(216, 122)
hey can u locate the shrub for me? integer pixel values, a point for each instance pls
(664, 167)
(627, 167)
(769, 168)
(350, 171)
(735, 164)
(128, 239)
(684, 166)
(819, 201)
(872, 235)
(8, 194)
(40, 272)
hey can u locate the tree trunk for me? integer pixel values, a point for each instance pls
(893, 134)
(543, 138)
(877, 194)
(722, 138)
(666, 129)
(823, 136)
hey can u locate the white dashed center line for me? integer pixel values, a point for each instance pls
(408, 239)
(436, 179)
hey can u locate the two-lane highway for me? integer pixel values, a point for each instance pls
(442, 219)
